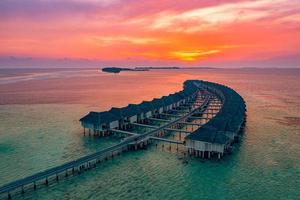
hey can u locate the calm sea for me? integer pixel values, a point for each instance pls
(39, 129)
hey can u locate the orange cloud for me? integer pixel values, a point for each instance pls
(194, 55)
(187, 32)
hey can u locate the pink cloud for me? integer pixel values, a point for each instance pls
(171, 31)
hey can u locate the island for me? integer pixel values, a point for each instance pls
(119, 69)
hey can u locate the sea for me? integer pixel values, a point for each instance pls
(39, 129)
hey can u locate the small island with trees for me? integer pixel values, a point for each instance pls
(119, 69)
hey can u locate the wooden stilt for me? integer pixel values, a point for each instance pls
(8, 195)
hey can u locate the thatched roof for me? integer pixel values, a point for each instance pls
(135, 109)
(229, 118)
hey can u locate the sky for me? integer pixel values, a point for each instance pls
(221, 33)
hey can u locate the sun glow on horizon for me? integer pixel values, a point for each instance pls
(193, 56)
(185, 32)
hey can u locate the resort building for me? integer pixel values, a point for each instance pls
(217, 135)
(224, 117)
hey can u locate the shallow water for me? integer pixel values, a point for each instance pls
(39, 129)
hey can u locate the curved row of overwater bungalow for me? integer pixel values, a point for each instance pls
(122, 118)
(217, 136)
(214, 137)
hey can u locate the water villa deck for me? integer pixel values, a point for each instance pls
(207, 118)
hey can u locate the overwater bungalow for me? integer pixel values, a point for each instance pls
(128, 114)
(146, 110)
(214, 137)
(158, 105)
(100, 121)
(178, 99)
(217, 135)
(121, 118)
(168, 102)
(118, 113)
(206, 141)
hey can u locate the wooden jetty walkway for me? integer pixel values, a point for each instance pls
(167, 140)
(221, 109)
(177, 130)
(75, 164)
(122, 132)
(94, 158)
(160, 120)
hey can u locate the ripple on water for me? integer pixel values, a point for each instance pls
(265, 165)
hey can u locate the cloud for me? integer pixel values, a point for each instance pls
(193, 55)
(52, 9)
(214, 17)
(183, 31)
(112, 40)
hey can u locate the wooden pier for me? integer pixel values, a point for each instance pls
(93, 159)
(166, 140)
(76, 165)
(122, 132)
(145, 125)
(160, 120)
(192, 106)
(177, 130)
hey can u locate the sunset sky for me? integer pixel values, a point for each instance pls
(150, 32)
